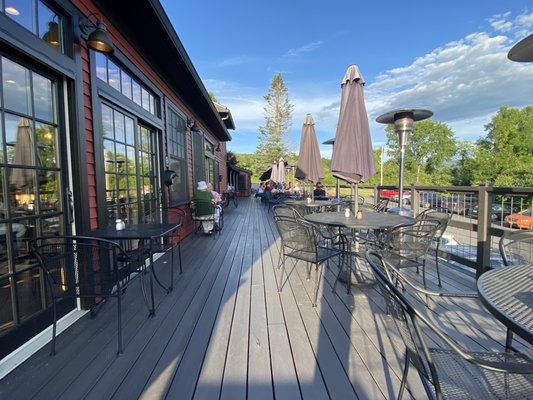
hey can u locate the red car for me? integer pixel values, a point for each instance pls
(523, 219)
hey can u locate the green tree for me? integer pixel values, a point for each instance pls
(430, 146)
(505, 155)
(273, 142)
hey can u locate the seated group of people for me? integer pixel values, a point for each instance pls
(207, 201)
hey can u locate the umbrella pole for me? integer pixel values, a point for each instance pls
(355, 193)
(338, 189)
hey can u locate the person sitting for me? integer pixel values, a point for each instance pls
(319, 190)
(260, 191)
(218, 201)
(203, 203)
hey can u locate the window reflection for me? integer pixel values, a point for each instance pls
(16, 85)
(42, 94)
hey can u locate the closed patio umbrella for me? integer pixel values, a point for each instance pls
(281, 171)
(24, 155)
(274, 172)
(352, 159)
(309, 167)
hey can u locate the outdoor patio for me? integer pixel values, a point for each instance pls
(225, 332)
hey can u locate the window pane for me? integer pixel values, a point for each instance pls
(114, 75)
(130, 131)
(145, 99)
(119, 127)
(42, 98)
(47, 145)
(12, 122)
(21, 11)
(107, 121)
(136, 92)
(16, 87)
(101, 69)
(126, 85)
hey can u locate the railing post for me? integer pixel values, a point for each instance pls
(485, 198)
(415, 200)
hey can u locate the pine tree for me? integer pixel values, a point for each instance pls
(273, 142)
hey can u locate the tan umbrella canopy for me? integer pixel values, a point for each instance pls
(24, 155)
(352, 159)
(274, 172)
(309, 167)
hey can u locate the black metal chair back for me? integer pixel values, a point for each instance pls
(444, 216)
(300, 241)
(516, 247)
(84, 267)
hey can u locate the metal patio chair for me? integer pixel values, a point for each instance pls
(87, 268)
(450, 371)
(516, 247)
(204, 212)
(300, 241)
(408, 245)
(444, 216)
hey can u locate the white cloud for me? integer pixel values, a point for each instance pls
(233, 61)
(306, 48)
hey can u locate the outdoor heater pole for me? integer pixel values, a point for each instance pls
(403, 125)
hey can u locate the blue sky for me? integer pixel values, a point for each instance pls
(446, 56)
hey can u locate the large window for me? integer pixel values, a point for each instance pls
(38, 18)
(31, 196)
(177, 154)
(130, 168)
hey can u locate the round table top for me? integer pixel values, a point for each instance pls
(507, 292)
(315, 203)
(370, 220)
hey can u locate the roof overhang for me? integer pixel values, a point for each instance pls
(225, 115)
(146, 26)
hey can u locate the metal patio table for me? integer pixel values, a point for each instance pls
(507, 292)
(370, 220)
(148, 233)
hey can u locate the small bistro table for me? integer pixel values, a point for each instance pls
(370, 220)
(150, 233)
(507, 292)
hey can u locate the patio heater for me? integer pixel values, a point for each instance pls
(337, 188)
(403, 120)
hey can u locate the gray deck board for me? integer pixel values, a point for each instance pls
(226, 332)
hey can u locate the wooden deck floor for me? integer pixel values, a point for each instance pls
(225, 332)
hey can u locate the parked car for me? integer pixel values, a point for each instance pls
(523, 219)
(497, 211)
(458, 204)
(406, 197)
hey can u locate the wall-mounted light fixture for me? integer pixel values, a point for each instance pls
(97, 38)
(218, 147)
(191, 124)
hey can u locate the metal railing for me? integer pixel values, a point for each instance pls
(481, 215)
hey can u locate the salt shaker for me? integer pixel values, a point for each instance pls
(119, 224)
(346, 212)
(309, 199)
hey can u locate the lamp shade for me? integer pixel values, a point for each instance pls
(98, 39)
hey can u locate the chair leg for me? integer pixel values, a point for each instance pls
(437, 264)
(282, 261)
(318, 277)
(54, 329)
(179, 255)
(404, 376)
(119, 305)
(508, 340)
